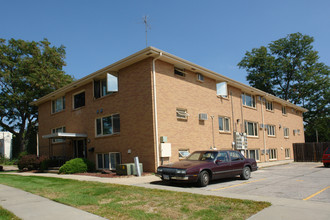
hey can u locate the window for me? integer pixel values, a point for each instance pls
(179, 72)
(272, 154)
(108, 125)
(253, 154)
(222, 89)
(286, 132)
(181, 113)
(271, 130)
(108, 160)
(200, 77)
(224, 124)
(183, 154)
(79, 100)
(234, 156)
(283, 110)
(105, 86)
(269, 105)
(248, 100)
(223, 156)
(287, 153)
(58, 130)
(58, 104)
(100, 88)
(251, 128)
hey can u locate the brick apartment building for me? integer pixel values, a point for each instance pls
(159, 107)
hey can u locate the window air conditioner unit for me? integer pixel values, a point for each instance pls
(262, 126)
(202, 116)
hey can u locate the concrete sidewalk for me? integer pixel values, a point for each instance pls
(281, 208)
(28, 206)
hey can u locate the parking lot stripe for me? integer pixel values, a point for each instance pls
(237, 185)
(311, 196)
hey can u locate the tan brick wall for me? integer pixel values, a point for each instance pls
(134, 104)
(200, 97)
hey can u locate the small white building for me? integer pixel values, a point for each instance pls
(6, 144)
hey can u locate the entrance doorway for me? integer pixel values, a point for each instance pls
(79, 147)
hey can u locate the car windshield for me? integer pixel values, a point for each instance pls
(202, 156)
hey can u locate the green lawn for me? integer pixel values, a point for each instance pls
(6, 215)
(129, 202)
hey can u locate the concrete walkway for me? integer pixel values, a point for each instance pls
(281, 208)
(28, 206)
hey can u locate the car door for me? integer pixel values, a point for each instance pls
(237, 162)
(222, 167)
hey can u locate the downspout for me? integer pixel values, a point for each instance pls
(155, 105)
(263, 128)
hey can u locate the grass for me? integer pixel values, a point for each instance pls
(128, 202)
(6, 215)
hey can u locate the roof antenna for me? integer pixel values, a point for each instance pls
(145, 21)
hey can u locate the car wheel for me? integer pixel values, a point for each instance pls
(246, 173)
(204, 179)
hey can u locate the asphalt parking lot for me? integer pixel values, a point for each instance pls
(299, 181)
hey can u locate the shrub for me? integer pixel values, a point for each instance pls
(30, 162)
(44, 163)
(76, 165)
(90, 165)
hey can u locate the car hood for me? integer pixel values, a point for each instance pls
(185, 164)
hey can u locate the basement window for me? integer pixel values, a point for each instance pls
(183, 154)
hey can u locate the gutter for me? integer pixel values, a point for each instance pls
(155, 105)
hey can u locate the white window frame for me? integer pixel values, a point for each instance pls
(181, 113)
(182, 153)
(101, 119)
(109, 155)
(253, 98)
(284, 112)
(223, 123)
(73, 99)
(287, 153)
(271, 130)
(200, 77)
(273, 154)
(54, 105)
(255, 129)
(286, 132)
(256, 154)
(61, 129)
(269, 105)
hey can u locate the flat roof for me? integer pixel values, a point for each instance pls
(64, 135)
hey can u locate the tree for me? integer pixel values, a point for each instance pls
(289, 68)
(29, 70)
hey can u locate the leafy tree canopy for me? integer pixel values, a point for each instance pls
(28, 71)
(289, 68)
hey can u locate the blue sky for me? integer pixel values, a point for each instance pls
(212, 34)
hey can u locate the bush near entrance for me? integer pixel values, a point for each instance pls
(77, 165)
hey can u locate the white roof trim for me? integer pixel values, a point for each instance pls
(64, 135)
